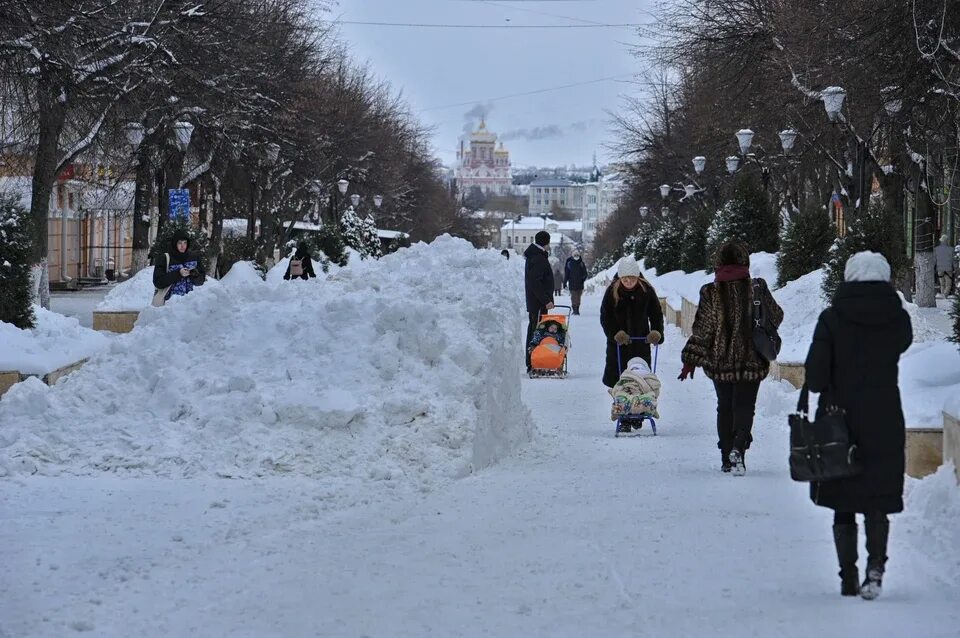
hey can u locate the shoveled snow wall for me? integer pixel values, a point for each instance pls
(402, 371)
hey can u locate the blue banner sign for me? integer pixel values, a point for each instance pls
(179, 203)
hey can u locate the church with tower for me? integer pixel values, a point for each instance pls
(482, 164)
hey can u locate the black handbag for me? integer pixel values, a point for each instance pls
(766, 340)
(822, 450)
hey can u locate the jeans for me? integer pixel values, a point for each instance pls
(736, 403)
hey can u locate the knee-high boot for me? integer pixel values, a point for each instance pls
(845, 539)
(877, 528)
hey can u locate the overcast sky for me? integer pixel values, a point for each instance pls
(450, 75)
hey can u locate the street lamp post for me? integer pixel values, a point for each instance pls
(342, 186)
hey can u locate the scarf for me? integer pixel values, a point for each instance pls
(732, 272)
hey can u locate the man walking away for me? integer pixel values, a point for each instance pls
(945, 271)
(574, 278)
(538, 284)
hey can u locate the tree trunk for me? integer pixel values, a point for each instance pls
(50, 126)
(141, 212)
(925, 261)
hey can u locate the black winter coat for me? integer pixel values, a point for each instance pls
(575, 274)
(537, 278)
(637, 312)
(307, 268)
(162, 278)
(853, 362)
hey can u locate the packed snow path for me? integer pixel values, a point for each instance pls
(580, 534)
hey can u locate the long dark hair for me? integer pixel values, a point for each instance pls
(734, 253)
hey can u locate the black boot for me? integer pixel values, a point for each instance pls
(725, 462)
(845, 538)
(877, 528)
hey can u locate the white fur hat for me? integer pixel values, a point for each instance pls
(628, 267)
(867, 266)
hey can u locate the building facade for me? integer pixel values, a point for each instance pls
(482, 165)
(518, 233)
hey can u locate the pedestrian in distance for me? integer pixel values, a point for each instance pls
(722, 344)
(300, 265)
(538, 284)
(630, 308)
(505, 254)
(557, 267)
(176, 271)
(853, 364)
(574, 278)
(946, 268)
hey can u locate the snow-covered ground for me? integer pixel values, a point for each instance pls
(56, 341)
(79, 304)
(575, 534)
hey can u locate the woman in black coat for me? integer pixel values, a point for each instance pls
(853, 363)
(302, 256)
(178, 270)
(630, 308)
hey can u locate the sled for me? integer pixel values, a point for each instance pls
(631, 424)
(548, 358)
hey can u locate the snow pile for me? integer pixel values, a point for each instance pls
(931, 516)
(134, 294)
(802, 302)
(403, 373)
(242, 273)
(929, 378)
(56, 341)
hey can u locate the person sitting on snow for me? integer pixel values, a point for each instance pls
(549, 328)
(636, 392)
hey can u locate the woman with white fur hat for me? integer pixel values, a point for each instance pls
(853, 364)
(630, 308)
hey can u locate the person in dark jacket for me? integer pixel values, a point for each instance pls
(300, 266)
(505, 254)
(574, 278)
(722, 344)
(178, 270)
(853, 364)
(630, 308)
(538, 284)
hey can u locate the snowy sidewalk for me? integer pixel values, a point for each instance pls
(580, 534)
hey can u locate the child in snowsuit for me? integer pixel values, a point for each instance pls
(637, 391)
(548, 329)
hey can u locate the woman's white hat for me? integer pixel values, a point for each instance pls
(867, 266)
(628, 267)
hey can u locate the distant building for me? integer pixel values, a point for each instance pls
(482, 165)
(565, 236)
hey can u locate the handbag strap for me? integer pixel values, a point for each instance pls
(803, 405)
(757, 306)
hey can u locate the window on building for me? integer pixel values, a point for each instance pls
(563, 202)
(61, 192)
(70, 201)
(563, 190)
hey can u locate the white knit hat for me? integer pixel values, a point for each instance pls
(628, 267)
(867, 266)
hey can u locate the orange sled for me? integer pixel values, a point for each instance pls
(549, 346)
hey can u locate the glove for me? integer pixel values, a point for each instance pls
(622, 338)
(654, 338)
(686, 372)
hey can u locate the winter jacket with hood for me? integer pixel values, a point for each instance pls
(164, 275)
(575, 276)
(635, 312)
(854, 363)
(538, 278)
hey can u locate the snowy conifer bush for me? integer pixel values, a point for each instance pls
(360, 234)
(638, 243)
(330, 241)
(878, 229)
(15, 305)
(666, 246)
(955, 313)
(602, 263)
(805, 244)
(693, 257)
(747, 217)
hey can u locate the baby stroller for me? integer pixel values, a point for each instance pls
(549, 345)
(630, 424)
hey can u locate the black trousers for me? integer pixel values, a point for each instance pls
(736, 403)
(848, 518)
(533, 318)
